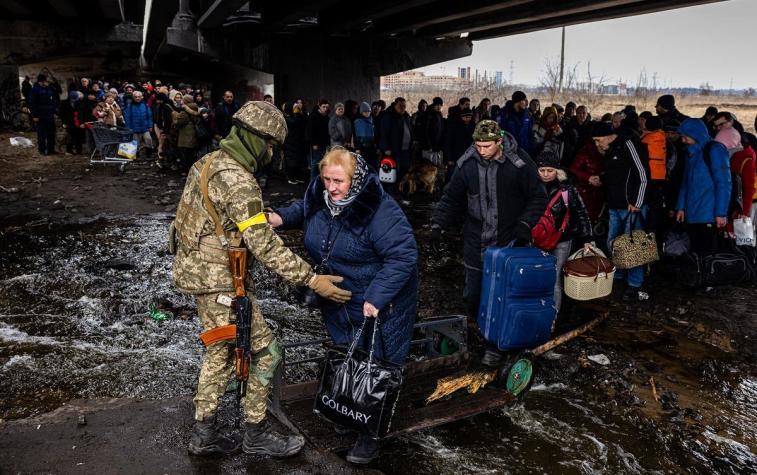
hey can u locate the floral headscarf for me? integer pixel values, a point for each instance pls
(358, 181)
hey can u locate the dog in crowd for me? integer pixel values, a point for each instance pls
(421, 175)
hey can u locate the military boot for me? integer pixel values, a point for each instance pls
(261, 439)
(207, 440)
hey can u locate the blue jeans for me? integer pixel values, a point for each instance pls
(618, 225)
(315, 158)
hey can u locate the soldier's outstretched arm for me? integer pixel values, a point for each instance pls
(242, 200)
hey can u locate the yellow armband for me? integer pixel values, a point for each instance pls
(257, 219)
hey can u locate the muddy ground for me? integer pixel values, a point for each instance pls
(679, 393)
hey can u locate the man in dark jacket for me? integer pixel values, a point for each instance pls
(459, 138)
(453, 113)
(396, 137)
(69, 115)
(223, 113)
(26, 87)
(434, 136)
(317, 135)
(666, 110)
(43, 103)
(162, 121)
(516, 120)
(625, 176)
(496, 192)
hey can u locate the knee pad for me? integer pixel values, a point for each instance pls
(272, 351)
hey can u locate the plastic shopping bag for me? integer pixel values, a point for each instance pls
(128, 150)
(358, 390)
(743, 228)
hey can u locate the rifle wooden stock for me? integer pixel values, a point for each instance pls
(238, 263)
(242, 365)
(224, 333)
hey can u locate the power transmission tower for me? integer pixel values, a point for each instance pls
(562, 61)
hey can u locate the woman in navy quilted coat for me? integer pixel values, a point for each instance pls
(371, 245)
(364, 236)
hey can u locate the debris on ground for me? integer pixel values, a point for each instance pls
(21, 142)
(599, 359)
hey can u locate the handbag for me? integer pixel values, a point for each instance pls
(588, 275)
(357, 390)
(636, 248)
(307, 295)
(677, 242)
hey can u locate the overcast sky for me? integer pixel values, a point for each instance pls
(713, 43)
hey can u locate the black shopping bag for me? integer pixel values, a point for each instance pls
(358, 390)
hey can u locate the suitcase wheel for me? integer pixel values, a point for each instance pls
(517, 376)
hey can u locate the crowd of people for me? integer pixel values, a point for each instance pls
(174, 125)
(505, 168)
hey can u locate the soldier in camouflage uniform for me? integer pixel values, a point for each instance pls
(223, 204)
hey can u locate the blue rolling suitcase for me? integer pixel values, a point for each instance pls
(517, 307)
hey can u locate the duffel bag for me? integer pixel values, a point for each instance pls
(710, 270)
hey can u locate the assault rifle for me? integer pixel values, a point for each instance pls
(243, 309)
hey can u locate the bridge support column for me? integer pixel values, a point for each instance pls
(10, 91)
(320, 67)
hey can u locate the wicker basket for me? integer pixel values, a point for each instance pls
(588, 275)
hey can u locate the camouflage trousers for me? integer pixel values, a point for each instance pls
(218, 362)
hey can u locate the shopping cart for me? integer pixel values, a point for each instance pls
(106, 140)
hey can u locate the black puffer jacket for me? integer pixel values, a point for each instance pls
(579, 226)
(491, 214)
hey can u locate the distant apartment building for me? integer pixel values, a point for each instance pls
(416, 80)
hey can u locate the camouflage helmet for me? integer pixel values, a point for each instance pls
(487, 131)
(263, 119)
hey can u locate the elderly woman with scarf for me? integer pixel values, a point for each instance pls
(360, 233)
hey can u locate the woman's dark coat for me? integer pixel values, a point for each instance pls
(375, 252)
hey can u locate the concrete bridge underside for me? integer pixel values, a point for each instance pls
(320, 48)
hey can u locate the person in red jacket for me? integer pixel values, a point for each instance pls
(742, 164)
(587, 168)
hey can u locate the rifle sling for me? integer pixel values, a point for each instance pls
(204, 179)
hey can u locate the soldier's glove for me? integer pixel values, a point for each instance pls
(522, 234)
(324, 286)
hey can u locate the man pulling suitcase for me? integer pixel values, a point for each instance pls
(495, 191)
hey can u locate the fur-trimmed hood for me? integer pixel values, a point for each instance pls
(357, 214)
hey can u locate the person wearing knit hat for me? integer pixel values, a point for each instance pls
(496, 196)
(626, 179)
(516, 120)
(665, 103)
(666, 110)
(365, 135)
(564, 204)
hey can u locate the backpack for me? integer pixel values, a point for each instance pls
(546, 235)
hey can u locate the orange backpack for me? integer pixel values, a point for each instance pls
(655, 142)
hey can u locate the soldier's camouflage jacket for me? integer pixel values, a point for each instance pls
(202, 264)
